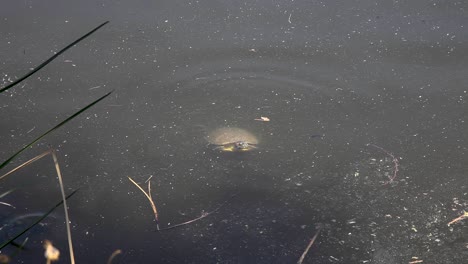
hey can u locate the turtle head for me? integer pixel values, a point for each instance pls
(241, 145)
(238, 146)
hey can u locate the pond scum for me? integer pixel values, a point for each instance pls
(52, 253)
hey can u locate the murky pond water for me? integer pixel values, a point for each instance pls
(366, 139)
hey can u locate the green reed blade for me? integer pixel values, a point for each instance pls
(49, 60)
(52, 129)
(37, 221)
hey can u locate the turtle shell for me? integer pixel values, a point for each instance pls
(232, 139)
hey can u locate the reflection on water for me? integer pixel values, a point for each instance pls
(13, 226)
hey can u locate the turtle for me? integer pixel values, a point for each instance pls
(232, 139)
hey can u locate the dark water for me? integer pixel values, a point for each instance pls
(391, 74)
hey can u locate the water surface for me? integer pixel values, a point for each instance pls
(356, 73)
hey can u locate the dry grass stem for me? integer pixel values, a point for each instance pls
(59, 175)
(308, 247)
(65, 207)
(461, 217)
(7, 204)
(149, 178)
(148, 195)
(149, 192)
(203, 215)
(396, 164)
(26, 163)
(114, 254)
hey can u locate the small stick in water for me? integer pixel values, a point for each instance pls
(308, 247)
(203, 215)
(114, 254)
(148, 195)
(463, 216)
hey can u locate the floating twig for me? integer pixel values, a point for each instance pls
(114, 254)
(148, 195)
(262, 119)
(151, 176)
(461, 217)
(395, 163)
(155, 211)
(203, 215)
(308, 246)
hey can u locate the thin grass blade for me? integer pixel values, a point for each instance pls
(38, 157)
(20, 248)
(52, 129)
(37, 221)
(6, 193)
(49, 60)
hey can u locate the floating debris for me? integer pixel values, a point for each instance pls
(463, 216)
(4, 259)
(395, 163)
(301, 259)
(114, 254)
(415, 260)
(150, 199)
(51, 253)
(262, 119)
